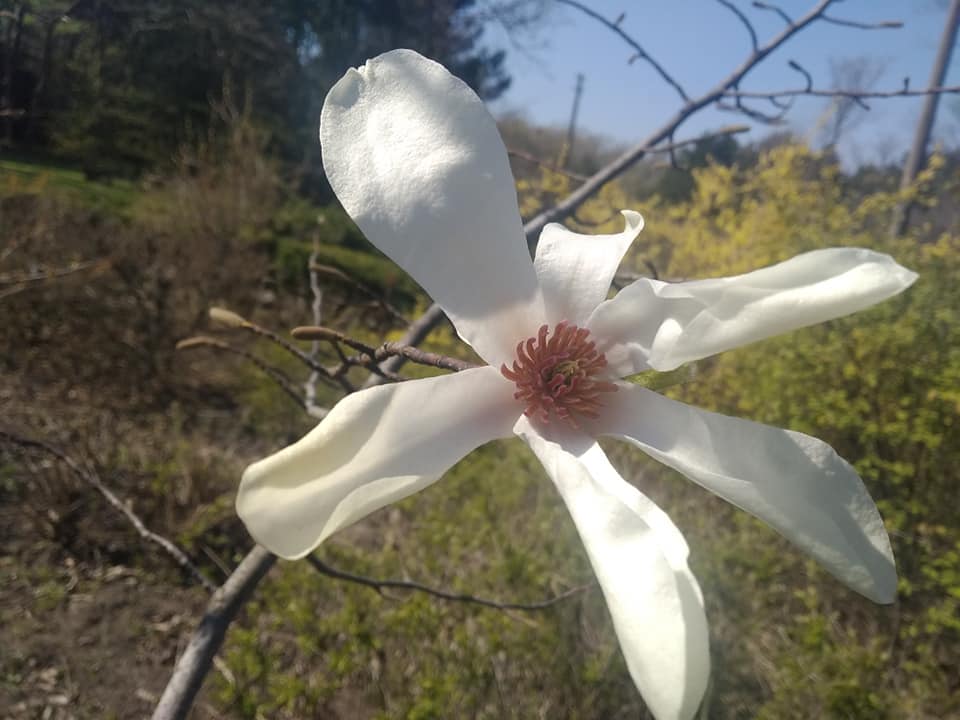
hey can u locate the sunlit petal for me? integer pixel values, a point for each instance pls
(640, 559)
(653, 324)
(375, 447)
(575, 271)
(418, 163)
(796, 483)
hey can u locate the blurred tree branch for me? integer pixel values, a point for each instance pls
(89, 476)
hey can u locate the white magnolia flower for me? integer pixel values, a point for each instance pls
(417, 161)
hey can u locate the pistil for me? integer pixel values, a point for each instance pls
(559, 375)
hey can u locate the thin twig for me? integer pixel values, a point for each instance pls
(882, 25)
(774, 8)
(421, 357)
(370, 356)
(273, 373)
(641, 54)
(90, 477)
(380, 585)
(19, 278)
(293, 350)
(319, 332)
(20, 281)
(548, 166)
(354, 283)
(192, 667)
(794, 65)
(743, 20)
(839, 93)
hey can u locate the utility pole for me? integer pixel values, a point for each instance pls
(572, 127)
(918, 151)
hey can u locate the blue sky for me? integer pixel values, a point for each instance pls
(700, 42)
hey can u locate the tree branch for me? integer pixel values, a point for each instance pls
(380, 585)
(370, 356)
(89, 476)
(273, 373)
(754, 43)
(316, 268)
(192, 667)
(882, 25)
(641, 54)
(840, 93)
(773, 8)
(542, 163)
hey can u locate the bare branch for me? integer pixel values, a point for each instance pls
(803, 71)
(273, 373)
(840, 93)
(319, 332)
(192, 667)
(90, 477)
(882, 25)
(744, 20)
(18, 278)
(244, 324)
(773, 8)
(331, 271)
(728, 130)
(549, 166)
(370, 356)
(641, 54)
(380, 585)
(20, 281)
(393, 349)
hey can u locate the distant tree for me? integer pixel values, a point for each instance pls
(842, 114)
(117, 85)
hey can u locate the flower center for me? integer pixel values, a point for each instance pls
(557, 375)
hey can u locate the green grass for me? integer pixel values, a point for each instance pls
(37, 177)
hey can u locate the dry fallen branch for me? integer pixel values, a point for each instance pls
(90, 477)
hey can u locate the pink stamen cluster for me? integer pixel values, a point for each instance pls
(558, 376)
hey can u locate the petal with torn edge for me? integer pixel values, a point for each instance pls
(640, 560)
(653, 324)
(794, 482)
(375, 447)
(575, 271)
(418, 163)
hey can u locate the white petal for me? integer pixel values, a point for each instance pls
(418, 163)
(375, 447)
(653, 324)
(575, 271)
(640, 559)
(794, 482)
